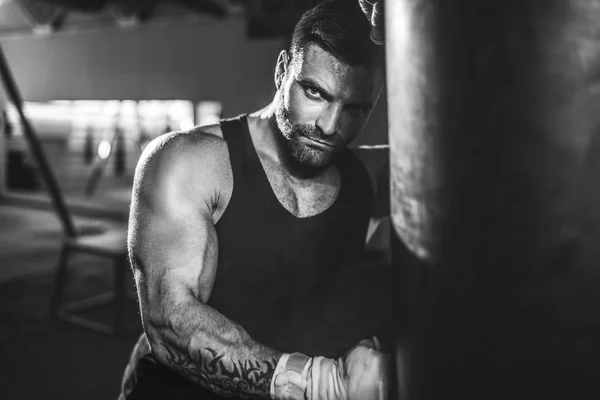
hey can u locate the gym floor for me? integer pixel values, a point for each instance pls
(40, 358)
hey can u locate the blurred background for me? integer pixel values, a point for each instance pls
(99, 80)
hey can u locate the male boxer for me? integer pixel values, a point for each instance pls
(240, 231)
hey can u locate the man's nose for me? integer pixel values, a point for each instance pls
(329, 121)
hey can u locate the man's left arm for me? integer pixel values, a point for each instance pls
(373, 10)
(377, 162)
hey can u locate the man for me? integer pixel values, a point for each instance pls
(240, 232)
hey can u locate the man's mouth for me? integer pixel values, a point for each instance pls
(318, 142)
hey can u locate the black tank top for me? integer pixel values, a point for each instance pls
(273, 266)
(274, 269)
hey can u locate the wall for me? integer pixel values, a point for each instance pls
(211, 60)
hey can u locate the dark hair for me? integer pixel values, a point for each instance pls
(340, 28)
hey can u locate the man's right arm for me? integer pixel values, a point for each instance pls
(179, 188)
(173, 248)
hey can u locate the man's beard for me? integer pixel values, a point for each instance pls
(306, 155)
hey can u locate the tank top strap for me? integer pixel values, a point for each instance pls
(235, 135)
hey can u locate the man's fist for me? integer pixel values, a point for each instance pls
(361, 374)
(365, 370)
(373, 10)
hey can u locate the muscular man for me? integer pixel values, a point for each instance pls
(239, 233)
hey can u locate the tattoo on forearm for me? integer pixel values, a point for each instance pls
(247, 380)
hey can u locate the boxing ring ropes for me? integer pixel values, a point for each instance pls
(105, 242)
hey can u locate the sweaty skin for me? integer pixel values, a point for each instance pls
(182, 186)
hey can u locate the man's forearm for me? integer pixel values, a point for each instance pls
(204, 346)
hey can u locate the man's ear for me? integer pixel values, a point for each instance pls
(281, 68)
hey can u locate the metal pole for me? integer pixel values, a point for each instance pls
(36, 149)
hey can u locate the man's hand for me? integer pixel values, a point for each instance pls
(373, 10)
(359, 375)
(365, 369)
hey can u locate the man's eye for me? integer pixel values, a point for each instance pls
(312, 92)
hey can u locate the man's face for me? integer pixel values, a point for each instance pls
(323, 104)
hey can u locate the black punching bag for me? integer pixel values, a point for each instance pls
(495, 209)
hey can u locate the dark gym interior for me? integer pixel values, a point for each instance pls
(487, 130)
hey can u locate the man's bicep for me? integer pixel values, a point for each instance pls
(172, 238)
(175, 247)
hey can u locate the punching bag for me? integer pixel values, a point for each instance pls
(495, 209)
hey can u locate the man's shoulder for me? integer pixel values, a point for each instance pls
(198, 156)
(374, 158)
(199, 145)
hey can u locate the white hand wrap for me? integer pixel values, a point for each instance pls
(326, 380)
(358, 376)
(290, 379)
